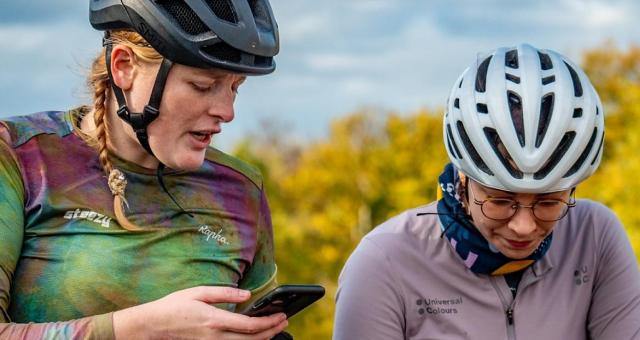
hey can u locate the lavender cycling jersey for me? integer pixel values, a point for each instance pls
(404, 281)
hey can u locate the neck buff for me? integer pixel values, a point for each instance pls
(478, 255)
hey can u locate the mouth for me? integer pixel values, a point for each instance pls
(203, 137)
(519, 244)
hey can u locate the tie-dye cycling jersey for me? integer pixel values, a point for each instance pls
(63, 255)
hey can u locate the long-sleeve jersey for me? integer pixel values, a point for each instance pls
(405, 281)
(64, 257)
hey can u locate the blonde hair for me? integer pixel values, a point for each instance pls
(99, 83)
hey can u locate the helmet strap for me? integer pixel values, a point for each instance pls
(139, 121)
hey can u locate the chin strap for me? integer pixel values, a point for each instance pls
(139, 120)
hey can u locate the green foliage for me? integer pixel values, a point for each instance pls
(326, 195)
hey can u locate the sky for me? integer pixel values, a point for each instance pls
(336, 56)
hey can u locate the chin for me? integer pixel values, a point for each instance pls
(186, 163)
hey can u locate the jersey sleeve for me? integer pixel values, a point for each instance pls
(12, 202)
(615, 305)
(368, 302)
(11, 223)
(261, 275)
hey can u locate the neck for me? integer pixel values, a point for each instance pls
(122, 140)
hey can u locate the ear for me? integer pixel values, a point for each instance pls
(122, 66)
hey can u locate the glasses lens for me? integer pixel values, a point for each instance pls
(499, 208)
(550, 210)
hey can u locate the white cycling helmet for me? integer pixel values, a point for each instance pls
(524, 120)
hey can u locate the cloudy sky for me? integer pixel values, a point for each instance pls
(336, 56)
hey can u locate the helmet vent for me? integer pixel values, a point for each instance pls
(577, 112)
(502, 153)
(595, 157)
(223, 9)
(515, 108)
(511, 59)
(260, 13)
(512, 78)
(545, 61)
(597, 110)
(481, 76)
(456, 103)
(460, 85)
(577, 87)
(471, 150)
(548, 80)
(223, 51)
(562, 148)
(583, 155)
(546, 108)
(451, 142)
(482, 108)
(184, 16)
(262, 61)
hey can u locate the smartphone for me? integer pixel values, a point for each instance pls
(288, 299)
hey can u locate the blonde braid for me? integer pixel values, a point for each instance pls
(99, 81)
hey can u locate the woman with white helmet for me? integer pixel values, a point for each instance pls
(118, 219)
(507, 252)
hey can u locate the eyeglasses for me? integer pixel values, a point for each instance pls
(545, 210)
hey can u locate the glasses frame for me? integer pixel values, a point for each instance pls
(517, 205)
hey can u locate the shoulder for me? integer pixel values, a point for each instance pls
(593, 226)
(400, 239)
(418, 225)
(236, 165)
(591, 216)
(18, 130)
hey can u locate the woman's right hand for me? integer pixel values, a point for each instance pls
(187, 314)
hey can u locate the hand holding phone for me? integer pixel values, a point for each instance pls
(288, 299)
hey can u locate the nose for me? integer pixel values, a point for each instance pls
(523, 222)
(222, 104)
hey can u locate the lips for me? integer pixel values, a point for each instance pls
(519, 244)
(202, 138)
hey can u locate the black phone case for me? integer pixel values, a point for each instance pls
(288, 299)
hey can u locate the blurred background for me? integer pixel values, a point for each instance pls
(347, 131)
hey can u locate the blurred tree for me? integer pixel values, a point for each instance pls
(326, 195)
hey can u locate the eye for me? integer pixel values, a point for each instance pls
(501, 202)
(548, 203)
(200, 87)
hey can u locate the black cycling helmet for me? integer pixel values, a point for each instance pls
(235, 35)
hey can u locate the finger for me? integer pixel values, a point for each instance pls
(211, 294)
(239, 323)
(266, 334)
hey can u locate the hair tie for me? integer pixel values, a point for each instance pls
(118, 184)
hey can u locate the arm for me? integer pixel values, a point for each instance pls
(260, 278)
(11, 234)
(368, 302)
(615, 305)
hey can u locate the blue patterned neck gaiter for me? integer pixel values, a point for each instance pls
(478, 255)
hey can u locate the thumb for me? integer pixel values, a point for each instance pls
(215, 294)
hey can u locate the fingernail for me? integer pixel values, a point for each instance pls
(244, 293)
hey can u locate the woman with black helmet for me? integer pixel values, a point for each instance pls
(118, 220)
(506, 252)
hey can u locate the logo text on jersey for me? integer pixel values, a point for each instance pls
(216, 235)
(89, 215)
